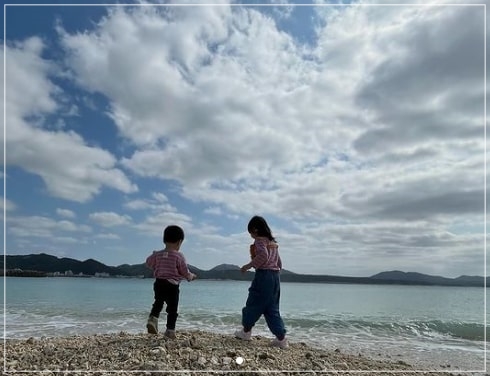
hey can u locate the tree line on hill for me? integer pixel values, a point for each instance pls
(41, 265)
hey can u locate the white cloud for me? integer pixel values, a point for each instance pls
(66, 213)
(366, 145)
(70, 169)
(110, 219)
(214, 211)
(160, 106)
(155, 223)
(7, 205)
(67, 240)
(215, 134)
(138, 205)
(158, 202)
(42, 227)
(108, 236)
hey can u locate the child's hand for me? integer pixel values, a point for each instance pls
(192, 277)
(245, 267)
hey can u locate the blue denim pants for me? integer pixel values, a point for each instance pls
(263, 299)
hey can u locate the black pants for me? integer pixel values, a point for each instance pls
(166, 293)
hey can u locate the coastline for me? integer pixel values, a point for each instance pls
(192, 353)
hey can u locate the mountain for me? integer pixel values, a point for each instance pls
(222, 267)
(424, 279)
(51, 264)
(397, 275)
(43, 264)
(229, 271)
(470, 279)
(134, 270)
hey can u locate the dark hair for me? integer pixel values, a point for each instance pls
(173, 234)
(259, 226)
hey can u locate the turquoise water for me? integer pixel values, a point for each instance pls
(429, 327)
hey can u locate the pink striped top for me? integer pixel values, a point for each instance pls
(266, 255)
(170, 265)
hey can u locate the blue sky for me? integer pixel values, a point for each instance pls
(356, 131)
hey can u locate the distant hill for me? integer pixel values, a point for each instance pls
(470, 279)
(43, 264)
(134, 270)
(397, 275)
(51, 264)
(403, 277)
(222, 267)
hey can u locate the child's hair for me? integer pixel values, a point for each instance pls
(173, 234)
(259, 226)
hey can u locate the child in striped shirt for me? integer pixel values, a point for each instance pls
(264, 293)
(169, 268)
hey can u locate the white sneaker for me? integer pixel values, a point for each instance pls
(170, 333)
(283, 344)
(241, 334)
(152, 325)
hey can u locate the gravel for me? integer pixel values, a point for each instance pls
(191, 353)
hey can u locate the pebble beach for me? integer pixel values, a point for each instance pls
(191, 353)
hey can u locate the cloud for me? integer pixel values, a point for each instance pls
(66, 213)
(110, 219)
(431, 89)
(160, 106)
(108, 236)
(364, 146)
(42, 227)
(188, 120)
(70, 168)
(7, 205)
(243, 113)
(157, 202)
(155, 223)
(368, 248)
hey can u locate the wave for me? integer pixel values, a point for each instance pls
(411, 328)
(470, 331)
(389, 327)
(313, 324)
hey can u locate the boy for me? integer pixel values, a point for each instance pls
(169, 268)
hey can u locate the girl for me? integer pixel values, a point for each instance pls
(264, 293)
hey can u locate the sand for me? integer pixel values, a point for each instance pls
(191, 353)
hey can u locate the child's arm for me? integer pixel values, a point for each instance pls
(184, 270)
(260, 258)
(261, 253)
(252, 251)
(151, 260)
(245, 267)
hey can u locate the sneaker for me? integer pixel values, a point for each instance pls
(169, 333)
(241, 334)
(152, 325)
(282, 344)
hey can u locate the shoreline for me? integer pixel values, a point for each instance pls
(285, 278)
(192, 353)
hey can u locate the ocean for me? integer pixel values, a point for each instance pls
(431, 327)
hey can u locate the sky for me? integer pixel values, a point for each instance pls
(356, 130)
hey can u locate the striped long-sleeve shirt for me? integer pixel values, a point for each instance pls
(266, 255)
(169, 265)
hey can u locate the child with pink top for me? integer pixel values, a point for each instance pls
(264, 293)
(169, 268)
